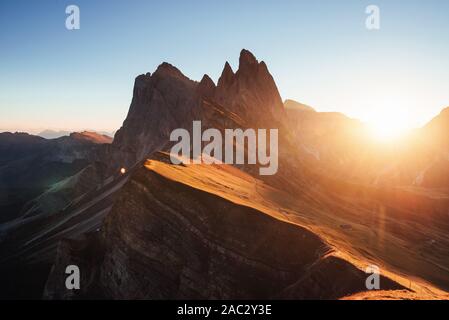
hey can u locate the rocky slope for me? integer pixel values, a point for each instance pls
(172, 236)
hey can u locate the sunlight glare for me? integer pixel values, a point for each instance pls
(387, 122)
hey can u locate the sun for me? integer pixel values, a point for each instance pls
(387, 130)
(388, 124)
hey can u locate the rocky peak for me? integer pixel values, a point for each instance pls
(206, 87)
(161, 102)
(167, 100)
(247, 62)
(227, 76)
(251, 92)
(166, 69)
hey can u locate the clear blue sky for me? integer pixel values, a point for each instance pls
(319, 53)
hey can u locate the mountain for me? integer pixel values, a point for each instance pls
(159, 230)
(92, 137)
(300, 195)
(438, 128)
(101, 136)
(161, 102)
(30, 165)
(434, 151)
(53, 134)
(17, 145)
(175, 232)
(292, 105)
(250, 92)
(341, 147)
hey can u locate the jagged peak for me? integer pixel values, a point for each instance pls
(247, 59)
(227, 69)
(142, 78)
(249, 66)
(206, 86)
(226, 76)
(167, 69)
(207, 81)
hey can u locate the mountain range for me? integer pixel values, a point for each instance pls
(54, 134)
(155, 230)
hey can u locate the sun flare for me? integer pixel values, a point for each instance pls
(387, 130)
(388, 121)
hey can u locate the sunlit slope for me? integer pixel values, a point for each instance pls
(356, 233)
(195, 232)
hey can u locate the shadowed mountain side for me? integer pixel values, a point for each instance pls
(173, 239)
(31, 165)
(28, 245)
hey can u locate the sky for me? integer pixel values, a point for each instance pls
(319, 52)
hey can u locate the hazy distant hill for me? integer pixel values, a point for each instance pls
(52, 134)
(294, 105)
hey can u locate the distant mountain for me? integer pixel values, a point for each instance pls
(437, 130)
(294, 105)
(92, 137)
(432, 144)
(103, 136)
(52, 134)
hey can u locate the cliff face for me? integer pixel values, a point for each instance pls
(251, 92)
(167, 100)
(161, 103)
(188, 238)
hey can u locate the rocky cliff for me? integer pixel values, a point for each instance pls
(167, 100)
